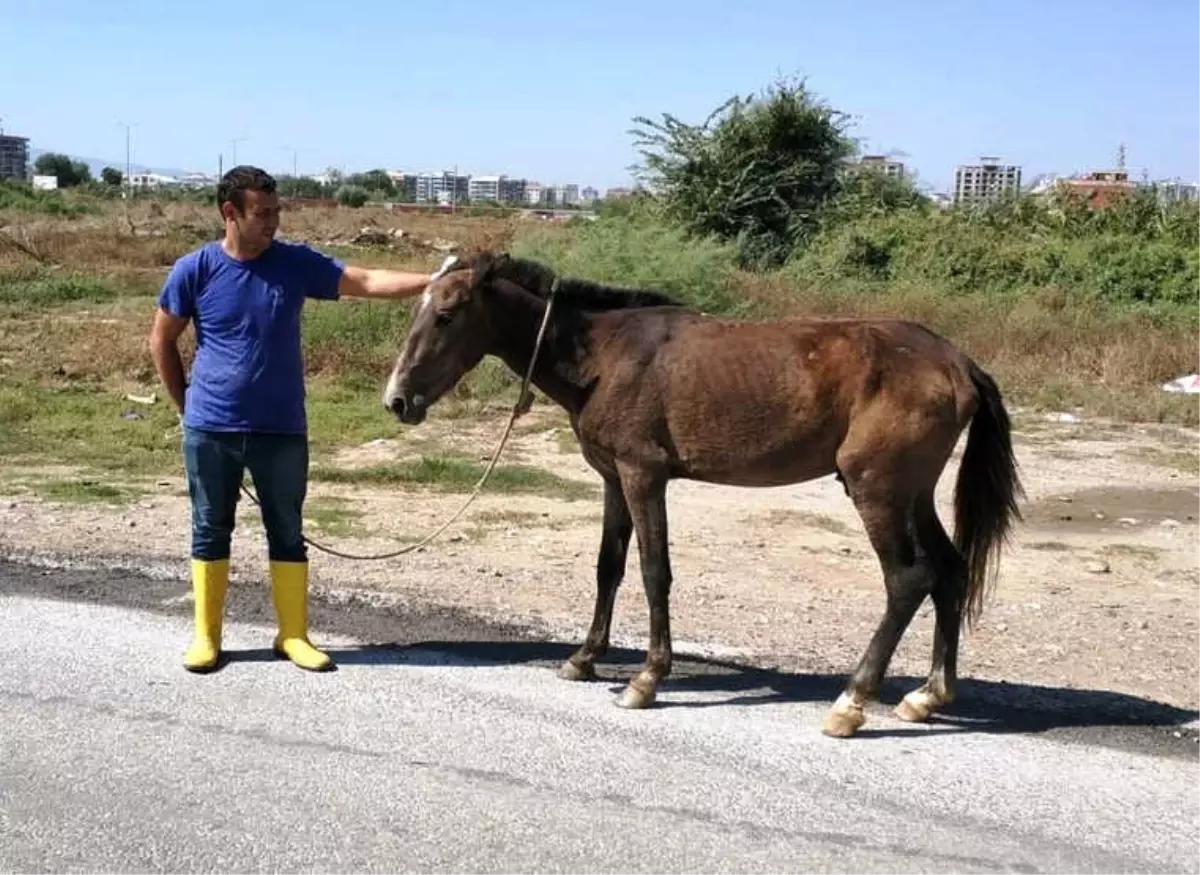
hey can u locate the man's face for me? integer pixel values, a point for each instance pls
(258, 221)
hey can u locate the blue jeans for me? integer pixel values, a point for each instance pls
(215, 462)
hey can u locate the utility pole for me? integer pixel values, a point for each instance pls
(128, 154)
(292, 149)
(234, 142)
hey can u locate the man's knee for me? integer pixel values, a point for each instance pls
(284, 524)
(280, 471)
(214, 470)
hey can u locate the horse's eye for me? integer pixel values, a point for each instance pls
(443, 317)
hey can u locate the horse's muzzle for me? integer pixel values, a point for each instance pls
(410, 411)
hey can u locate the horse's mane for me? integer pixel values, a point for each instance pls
(537, 278)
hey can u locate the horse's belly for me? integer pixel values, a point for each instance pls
(762, 458)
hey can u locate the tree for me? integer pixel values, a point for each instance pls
(865, 191)
(759, 169)
(68, 173)
(111, 176)
(373, 180)
(300, 186)
(352, 196)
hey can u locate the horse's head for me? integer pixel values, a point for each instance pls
(448, 337)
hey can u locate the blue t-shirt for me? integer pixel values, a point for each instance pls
(248, 374)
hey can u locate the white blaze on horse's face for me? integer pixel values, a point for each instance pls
(393, 384)
(444, 341)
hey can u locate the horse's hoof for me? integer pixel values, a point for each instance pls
(634, 697)
(844, 718)
(915, 707)
(571, 671)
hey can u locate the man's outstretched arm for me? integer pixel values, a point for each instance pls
(366, 282)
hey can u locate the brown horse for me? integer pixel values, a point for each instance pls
(657, 391)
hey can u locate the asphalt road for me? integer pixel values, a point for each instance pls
(452, 746)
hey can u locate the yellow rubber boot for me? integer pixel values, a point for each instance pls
(210, 579)
(289, 590)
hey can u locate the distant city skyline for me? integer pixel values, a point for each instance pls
(288, 165)
(891, 165)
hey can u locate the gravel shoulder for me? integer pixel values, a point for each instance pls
(1098, 594)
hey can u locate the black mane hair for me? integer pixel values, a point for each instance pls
(537, 278)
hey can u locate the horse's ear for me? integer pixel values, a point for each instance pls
(488, 265)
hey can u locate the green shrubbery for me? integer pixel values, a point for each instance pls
(20, 195)
(1016, 249)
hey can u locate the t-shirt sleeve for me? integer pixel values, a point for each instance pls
(323, 273)
(178, 294)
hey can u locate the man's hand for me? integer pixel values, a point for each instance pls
(450, 261)
(365, 282)
(164, 348)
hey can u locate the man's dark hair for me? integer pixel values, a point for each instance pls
(241, 179)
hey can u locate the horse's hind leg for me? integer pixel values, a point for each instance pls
(889, 514)
(610, 570)
(949, 592)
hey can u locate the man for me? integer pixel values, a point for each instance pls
(244, 405)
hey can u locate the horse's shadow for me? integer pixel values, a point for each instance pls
(981, 705)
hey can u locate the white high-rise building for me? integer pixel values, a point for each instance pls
(985, 181)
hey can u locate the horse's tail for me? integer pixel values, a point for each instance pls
(985, 499)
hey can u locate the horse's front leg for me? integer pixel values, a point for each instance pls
(610, 569)
(646, 497)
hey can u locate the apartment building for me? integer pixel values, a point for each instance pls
(882, 164)
(566, 195)
(14, 156)
(442, 188)
(985, 181)
(1172, 190)
(500, 189)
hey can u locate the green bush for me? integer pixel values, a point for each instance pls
(1124, 256)
(20, 195)
(352, 196)
(636, 248)
(42, 288)
(757, 171)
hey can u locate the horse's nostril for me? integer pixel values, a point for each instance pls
(397, 405)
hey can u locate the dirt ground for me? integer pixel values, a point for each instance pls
(1099, 590)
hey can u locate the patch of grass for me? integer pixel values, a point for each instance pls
(510, 517)
(1049, 546)
(451, 474)
(1132, 551)
(1179, 460)
(558, 428)
(84, 491)
(89, 427)
(44, 288)
(528, 518)
(343, 411)
(333, 516)
(804, 518)
(356, 344)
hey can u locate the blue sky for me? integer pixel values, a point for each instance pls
(548, 90)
